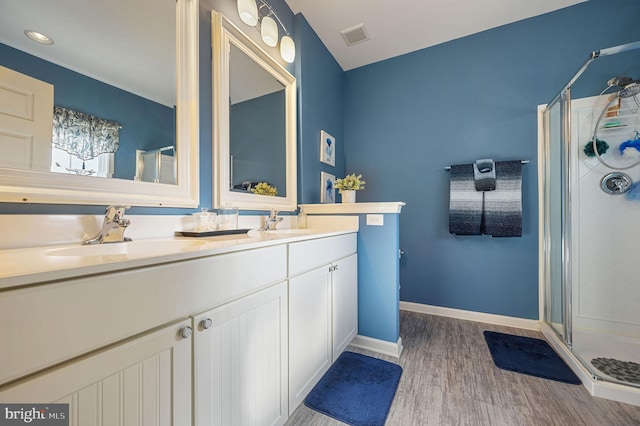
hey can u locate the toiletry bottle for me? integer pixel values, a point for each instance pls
(302, 219)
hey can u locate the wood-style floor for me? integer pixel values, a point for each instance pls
(449, 379)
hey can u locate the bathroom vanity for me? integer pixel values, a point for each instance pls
(223, 330)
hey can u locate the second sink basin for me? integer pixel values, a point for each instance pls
(154, 247)
(289, 231)
(292, 231)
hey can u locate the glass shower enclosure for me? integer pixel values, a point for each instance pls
(589, 152)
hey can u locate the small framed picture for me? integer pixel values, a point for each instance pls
(327, 148)
(327, 188)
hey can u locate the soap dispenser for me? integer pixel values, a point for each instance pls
(302, 219)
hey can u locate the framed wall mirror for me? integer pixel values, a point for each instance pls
(254, 123)
(107, 112)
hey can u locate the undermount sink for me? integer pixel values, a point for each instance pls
(289, 231)
(293, 231)
(128, 248)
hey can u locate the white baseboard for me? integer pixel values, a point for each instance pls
(377, 345)
(471, 315)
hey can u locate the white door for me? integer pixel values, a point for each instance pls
(345, 303)
(26, 120)
(146, 381)
(241, 361)
(309, 332)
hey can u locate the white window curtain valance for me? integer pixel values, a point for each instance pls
(84, 135)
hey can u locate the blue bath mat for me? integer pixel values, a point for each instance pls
(357, 390)
(528, 356)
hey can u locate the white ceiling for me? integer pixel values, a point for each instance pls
(247, 79)
(128, 44)
(402, 26)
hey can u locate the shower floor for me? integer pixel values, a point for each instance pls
(589, 345)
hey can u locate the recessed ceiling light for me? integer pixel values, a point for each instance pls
(38, 37)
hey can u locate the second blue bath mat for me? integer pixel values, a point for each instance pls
(357, 390)
(530, 356)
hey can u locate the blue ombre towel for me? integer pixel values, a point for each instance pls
(503, 207)
(465, 203)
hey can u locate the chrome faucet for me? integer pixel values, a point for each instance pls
(113, 227)
(272, 221)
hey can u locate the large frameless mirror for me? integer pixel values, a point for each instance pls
(104, 112)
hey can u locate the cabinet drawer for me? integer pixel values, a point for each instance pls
(51, 323)
(307, 255)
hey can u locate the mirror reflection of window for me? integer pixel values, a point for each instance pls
(83, 144)
(63, 162)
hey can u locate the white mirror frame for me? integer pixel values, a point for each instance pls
(26, 186)
(224, 33)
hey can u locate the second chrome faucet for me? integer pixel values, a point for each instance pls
(272, 221)
(113, 227)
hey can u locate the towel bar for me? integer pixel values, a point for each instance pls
(449, 167)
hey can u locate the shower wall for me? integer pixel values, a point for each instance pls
(606, 237)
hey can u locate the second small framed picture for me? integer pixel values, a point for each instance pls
(327, 148)
(327, 188)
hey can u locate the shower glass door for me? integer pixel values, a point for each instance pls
(553, 224)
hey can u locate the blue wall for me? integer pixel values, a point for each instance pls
(378, 276)
(145, 124)
(259, 148)
(320, 107)
(400, 121)
(408, 117)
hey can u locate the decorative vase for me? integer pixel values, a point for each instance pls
(348, 196)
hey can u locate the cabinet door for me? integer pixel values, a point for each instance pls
(309, 332)
(241, 361)
(146, 381)
(345, 303)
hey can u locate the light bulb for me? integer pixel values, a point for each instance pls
(287, 49)
(38, 37)
(248, 11)
(269, 31)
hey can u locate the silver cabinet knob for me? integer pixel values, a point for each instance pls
(206, 323)
(185, 332)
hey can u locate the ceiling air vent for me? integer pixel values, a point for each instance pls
(355, 35)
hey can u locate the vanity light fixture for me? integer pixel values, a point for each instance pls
(268, 20)
(248, 11)
(269, 31)
(38, 37)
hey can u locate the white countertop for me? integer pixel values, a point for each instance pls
(354, 208)
(38, 265)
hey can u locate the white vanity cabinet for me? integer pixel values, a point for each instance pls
(309, 332)
(241, 361)
(344, 297)
(91, 341)
(146, 380)
(232, 338)
(323, 311)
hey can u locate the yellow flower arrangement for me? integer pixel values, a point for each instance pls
(350, 182)
(264, 188)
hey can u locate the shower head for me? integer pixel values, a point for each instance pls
(620, 80)
(629, 90)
